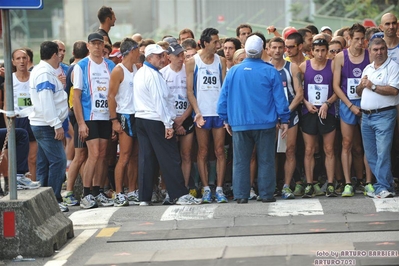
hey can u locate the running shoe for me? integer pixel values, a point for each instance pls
(69, 199)
(277, 192)
(309, 192)
(298, 191)
(317, 189)
(145, 203)
(206, 196)
(63, 207)
(102, 200)
(188, 200)
(193, 192)
(348, 191)
(286, 193)
(88, 202)
(384, 194)
(155, 197)
(330, 191)
(220, 197)
(133, 197)
(340, 188)
(369, 190)
(252, 194)
(24, 182)
(121, 200)
(359, 188)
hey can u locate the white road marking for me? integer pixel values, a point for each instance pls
(295, 207)
(92, 218)
(189, 213)
(387, 205)
(62, 257)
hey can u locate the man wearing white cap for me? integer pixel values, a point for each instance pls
(252, 103)
(155, 112)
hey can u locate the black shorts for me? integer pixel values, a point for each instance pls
(23, 122)
(188, 125)
(77, 142)
(128, 124)
(99, 129)
(312, 124)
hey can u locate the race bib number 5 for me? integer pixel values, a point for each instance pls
(351, 89)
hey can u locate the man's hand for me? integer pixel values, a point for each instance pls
(62, 78)
(83, 131)
(228, 129)
(199, 120)
(311, 108)
(169, 133)
(59, 133)
(284, 130)
(180, 131)
(2, 71)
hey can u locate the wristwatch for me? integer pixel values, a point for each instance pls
(373, 87)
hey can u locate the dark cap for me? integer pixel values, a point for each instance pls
(95, 36)
(175, 49)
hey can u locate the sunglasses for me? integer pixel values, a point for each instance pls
(336, 51)
(291, 46)
(320, 41)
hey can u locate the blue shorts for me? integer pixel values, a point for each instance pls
(128, 124)
(212, 122)
(347, 116)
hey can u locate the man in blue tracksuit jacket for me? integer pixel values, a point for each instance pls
(252, 102)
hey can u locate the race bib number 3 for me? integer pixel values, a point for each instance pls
(351, 89)
(317, 94)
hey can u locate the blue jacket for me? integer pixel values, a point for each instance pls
(252, 97)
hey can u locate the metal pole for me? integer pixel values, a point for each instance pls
(12, 157)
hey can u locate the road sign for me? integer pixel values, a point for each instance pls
(21, 4)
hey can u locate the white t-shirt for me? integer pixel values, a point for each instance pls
(177, 84)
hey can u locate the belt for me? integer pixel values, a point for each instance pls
(373, 111)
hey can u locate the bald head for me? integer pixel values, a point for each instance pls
(389, 25)
(137, 37)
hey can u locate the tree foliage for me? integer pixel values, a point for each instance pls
(357, 9)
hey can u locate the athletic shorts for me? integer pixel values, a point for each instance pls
(77, 142)
(99, 129)
(128, 124)
(23, 122)
(188, 125)
(294, 119)
(312, 124)
(347, 116)
(212, 122)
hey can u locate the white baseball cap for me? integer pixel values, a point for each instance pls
(153, 49)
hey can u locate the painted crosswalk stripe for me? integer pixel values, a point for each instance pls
(62, 257)
(295, 207)
(387, 205)
(182, 213)
(93, 218)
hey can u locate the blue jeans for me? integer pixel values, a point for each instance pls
(377, 133)
(243, 145)
(50, 160)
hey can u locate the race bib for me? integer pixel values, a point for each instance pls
(24, 102)
(351, 89)
(100, 100)
(317, 94)
(181, 104)
(209, 80)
